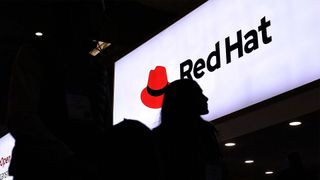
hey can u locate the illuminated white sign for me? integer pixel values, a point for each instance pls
(6, 146)
(241, 52)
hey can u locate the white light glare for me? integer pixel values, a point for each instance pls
(249, 161)
(269, 172)
(230, 144)
(39, 34)
(295, 123)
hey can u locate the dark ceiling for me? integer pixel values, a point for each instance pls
(124, 23)
(72, 25)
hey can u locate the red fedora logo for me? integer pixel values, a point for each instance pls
(152, 95)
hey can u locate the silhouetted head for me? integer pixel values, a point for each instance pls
(130, 134)
(183, 98)
(130, 152)
(294, 160)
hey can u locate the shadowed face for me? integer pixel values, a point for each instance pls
(185, 97)
(198, 101)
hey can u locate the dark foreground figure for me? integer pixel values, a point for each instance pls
(37, 118)
(186, 144)
(128, 152)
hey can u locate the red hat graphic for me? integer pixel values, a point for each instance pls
(152, 95)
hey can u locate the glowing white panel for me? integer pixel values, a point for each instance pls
(6, 146)
(280, 46)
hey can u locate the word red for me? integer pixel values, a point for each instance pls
(4, 161)
(4, 175)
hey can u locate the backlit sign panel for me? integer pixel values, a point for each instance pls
(6, 146)
(241, 52)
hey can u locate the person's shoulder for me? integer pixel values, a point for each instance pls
(156, 130)
(207, 125)
(161, 132)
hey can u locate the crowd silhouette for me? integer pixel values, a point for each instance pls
(183, 146)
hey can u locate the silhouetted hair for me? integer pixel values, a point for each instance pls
(186, 144)
(176, 101)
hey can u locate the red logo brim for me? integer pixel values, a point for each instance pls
(154, 102)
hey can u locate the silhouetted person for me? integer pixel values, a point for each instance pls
(186, 144)
(129, 152)
(37, 117)
(47, 141)
(295, 169)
